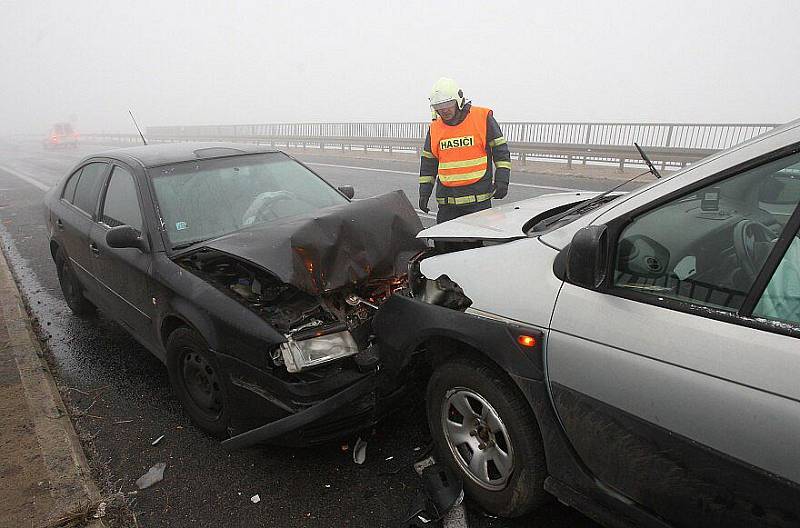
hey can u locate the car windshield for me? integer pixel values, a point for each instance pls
(204, 199)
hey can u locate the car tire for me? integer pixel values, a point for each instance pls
(508, 479)
(198, 381)
(71, 286)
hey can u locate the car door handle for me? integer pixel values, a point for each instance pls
(60, 224)
(94, 249)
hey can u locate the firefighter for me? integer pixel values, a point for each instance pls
(462, 143)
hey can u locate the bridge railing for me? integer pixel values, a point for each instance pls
(668, 144)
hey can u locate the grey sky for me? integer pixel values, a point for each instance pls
(256, 61)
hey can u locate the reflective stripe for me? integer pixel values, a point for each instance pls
(465, 163)
(426, 154)
(503, 164)
(466, 177)
(426, 179)
(497, 141)
(461, 200)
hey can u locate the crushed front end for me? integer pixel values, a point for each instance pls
(318, 281)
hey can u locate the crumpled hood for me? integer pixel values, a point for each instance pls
(504, 222)
(321, 251)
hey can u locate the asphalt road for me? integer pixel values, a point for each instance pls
(121, 401)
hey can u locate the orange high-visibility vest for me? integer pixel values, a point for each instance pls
(461, 149)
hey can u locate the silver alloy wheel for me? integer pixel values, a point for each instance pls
(477, 438)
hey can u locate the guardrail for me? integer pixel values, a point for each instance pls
(669, 144)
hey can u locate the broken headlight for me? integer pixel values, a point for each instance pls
(307, 353)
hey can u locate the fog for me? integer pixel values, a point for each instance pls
(253, 61)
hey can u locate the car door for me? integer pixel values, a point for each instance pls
(676, 381)
(74, 218)
(124, 273)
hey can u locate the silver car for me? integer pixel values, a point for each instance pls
(637, 357)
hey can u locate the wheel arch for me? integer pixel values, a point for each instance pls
(184, 314)
(406, 327)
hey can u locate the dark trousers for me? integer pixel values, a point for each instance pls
(448, 212)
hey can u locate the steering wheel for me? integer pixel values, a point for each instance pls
(262, 204)
(752, 241)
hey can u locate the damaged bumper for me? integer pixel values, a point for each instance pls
(305, 418)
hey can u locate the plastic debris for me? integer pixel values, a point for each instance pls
(388, 458)
(154, 474)
(360, 451)
(100, 512)
(420, 465)
(157, 440)
(255, 499)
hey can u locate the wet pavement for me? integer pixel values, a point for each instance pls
(121, 401)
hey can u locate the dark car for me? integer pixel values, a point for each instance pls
(253, 279)
(61, 135)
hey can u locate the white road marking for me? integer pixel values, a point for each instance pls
(547, 187)
(362, 168)
(33, 181)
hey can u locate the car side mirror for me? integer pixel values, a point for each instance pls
(125, 236)
(347, 190)
(587, 257)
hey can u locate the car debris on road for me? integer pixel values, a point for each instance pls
(154, 475)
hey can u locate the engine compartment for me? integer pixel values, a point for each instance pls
(295, 313)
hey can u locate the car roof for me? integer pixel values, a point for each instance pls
(166, 153)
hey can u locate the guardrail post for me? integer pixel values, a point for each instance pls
(669, 141)
(588, 139)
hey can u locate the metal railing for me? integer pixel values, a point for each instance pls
(670, 144)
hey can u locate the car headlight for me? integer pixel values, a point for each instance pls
(302, 355)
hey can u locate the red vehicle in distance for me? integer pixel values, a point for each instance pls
(61, 135)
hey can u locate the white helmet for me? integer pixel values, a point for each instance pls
(444, 91)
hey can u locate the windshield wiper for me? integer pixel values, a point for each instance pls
(647, 161)
(547, 222)
(185, 245)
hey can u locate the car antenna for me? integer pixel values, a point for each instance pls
(649, 163)
(139, 129)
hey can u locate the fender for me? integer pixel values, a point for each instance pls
(403, 324)
(199, 320)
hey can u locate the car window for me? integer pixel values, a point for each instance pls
(199, 200)
(69, 188)
(781, 298)
(88, 188)
(708, 246)
(121, 205)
